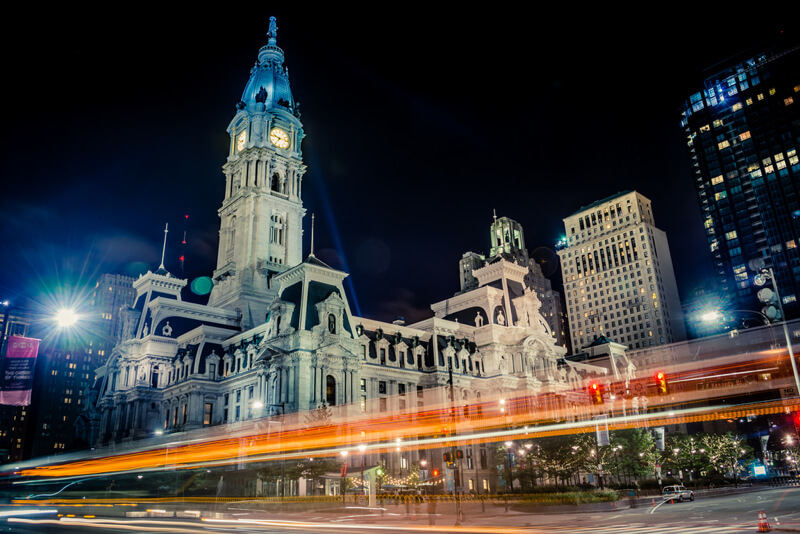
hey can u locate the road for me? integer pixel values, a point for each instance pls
(725, 514)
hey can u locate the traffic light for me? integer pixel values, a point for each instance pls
(448, 459)
(435, 473)
(596, 393)
(379, 471)
(459, 454)
(661, 383)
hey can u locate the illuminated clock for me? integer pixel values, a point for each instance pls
(279, 138)
(241, 140)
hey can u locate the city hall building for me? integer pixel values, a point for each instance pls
(278, 335)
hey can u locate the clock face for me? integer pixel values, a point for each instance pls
(279, 138)
(241, 140)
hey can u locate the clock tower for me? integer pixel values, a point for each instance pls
(262, 214)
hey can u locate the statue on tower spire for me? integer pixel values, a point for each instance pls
(272, 33)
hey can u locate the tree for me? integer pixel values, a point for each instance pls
(320, 417)
(561, 457)
(271, 472)
(724, 452)
(311, 469)
(591, 456)
(677, 455)
(413, 474)
(636, 452)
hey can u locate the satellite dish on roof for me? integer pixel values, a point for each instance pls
(547, 260)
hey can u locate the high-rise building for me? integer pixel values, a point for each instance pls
(618, 276)
(65, 372)
(14, 420)
(743, 132)
(507, 241)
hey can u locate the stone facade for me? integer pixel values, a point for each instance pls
(618, 275)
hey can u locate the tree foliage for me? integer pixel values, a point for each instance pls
(630, 455)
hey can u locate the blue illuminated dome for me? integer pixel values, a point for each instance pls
(268, 86)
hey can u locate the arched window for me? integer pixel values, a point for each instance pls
(275, 183)
(330, 390)
(154, 377)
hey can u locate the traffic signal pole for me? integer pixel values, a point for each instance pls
(453, 449)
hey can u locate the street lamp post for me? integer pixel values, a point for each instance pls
(716, 315)
(344, 476)
(768, 274)
(259, 404)
(509, 460)
(453, 450)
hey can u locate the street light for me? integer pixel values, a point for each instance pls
(66, 317)
(712, 316)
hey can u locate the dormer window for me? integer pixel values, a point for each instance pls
(331, 323)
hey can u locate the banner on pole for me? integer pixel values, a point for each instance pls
(658, 434)
(18, 366)
(601, 429)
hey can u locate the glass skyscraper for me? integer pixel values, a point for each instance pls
(743, 133)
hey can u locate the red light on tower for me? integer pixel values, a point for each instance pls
(596, 393)
(661, 383)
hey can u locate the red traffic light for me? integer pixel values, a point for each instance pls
(596, 393)
(435, 472)
(661, 383)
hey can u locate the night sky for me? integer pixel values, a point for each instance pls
(419, 123)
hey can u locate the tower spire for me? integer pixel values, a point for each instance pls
(312, 235)
(494, 214)
(164, 248)
(272, 33)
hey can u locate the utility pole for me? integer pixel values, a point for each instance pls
(453, 448)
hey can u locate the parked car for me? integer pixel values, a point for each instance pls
(679, 493)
